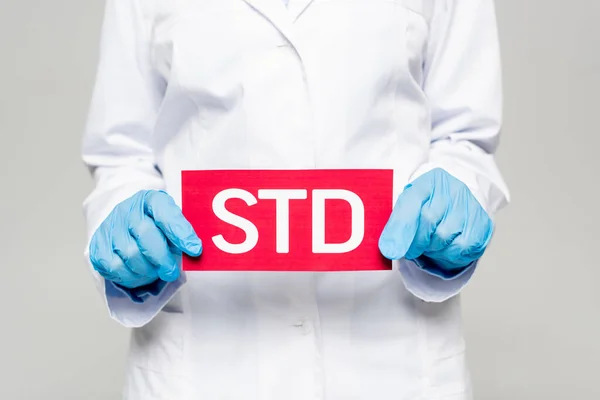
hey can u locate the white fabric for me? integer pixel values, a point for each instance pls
(407, 85)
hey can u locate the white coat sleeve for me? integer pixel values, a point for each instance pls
(116, 143)
(462, 81)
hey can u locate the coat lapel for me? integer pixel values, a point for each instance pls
(297, 7)
(277, 14)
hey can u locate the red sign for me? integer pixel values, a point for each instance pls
(291, 220)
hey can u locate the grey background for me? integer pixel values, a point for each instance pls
(532, 313)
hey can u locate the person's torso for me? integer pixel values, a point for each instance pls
(323, 84)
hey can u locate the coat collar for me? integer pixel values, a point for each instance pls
(280, 16)
(297, 7)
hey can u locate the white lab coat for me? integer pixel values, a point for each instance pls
(406, 85)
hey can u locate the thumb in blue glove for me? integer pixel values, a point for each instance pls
(437, 218)
(142, 240)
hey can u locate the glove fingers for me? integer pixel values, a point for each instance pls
(108, 266)
(168, 218)
(128, 251)
(103, 260)
(433, 213)
(470, 244)
(446, 232)
(399, 233)
(111, 267)
(154, 247)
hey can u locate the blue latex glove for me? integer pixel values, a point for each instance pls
(438, 223)
(139, 245)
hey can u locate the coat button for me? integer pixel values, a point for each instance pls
(305, 326)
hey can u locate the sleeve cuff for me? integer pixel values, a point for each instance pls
(475, 183)
(134, 313)
(428, 265)
(466, 163)
(139, 294)
(428, 285)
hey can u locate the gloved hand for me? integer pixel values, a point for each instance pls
(437, 222)
(141, 241)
